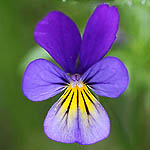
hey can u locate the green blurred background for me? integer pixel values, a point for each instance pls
(21, 121)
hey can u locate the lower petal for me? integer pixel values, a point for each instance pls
(77, 117)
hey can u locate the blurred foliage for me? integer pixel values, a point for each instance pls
(21, 124)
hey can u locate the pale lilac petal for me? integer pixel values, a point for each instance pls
(109, 77)
(77, 117)
(99, 35)
(42, 80)
(60, 37)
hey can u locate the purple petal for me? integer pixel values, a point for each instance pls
(42, 80)
(109, 77)
(60, 37)
(99, 35)
(77, 117)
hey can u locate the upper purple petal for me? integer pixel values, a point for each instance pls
(109, 77)
(99, 35)
(60, 37)
(42, 80)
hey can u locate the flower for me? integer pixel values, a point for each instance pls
(77, 116)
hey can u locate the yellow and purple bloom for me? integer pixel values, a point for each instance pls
(77, 116)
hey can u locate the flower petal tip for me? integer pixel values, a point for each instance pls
(126, 77)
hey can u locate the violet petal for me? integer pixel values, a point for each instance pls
(60, 37)
(99, 35)
(109, 77)
(42, 80)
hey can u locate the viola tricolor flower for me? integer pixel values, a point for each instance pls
(77, 116)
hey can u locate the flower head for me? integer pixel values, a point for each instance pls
(77, 116)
